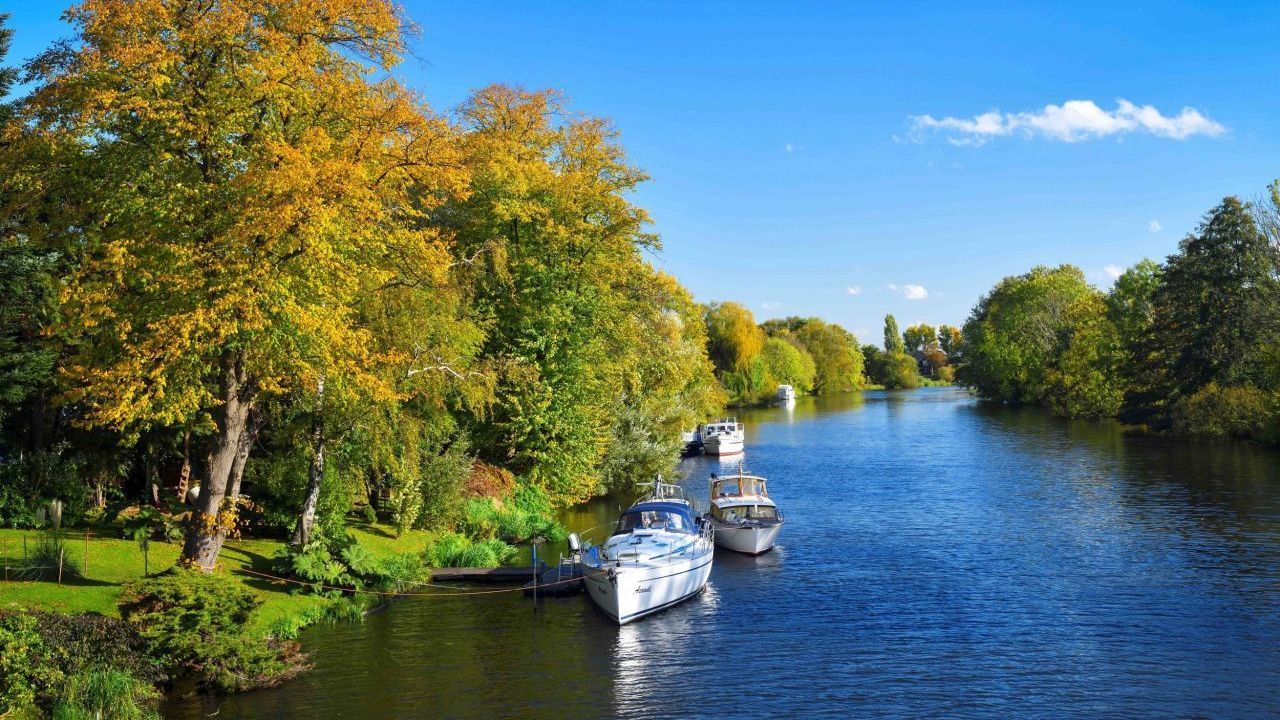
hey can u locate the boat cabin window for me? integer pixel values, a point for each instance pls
(652, 520)
(745, 512)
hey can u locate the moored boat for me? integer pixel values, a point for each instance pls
(744, 518)
(659, 554)
(722, 437)
(786, 395)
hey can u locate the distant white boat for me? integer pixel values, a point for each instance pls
(723, 437)
(744, 517)
(660, 553)
(786, 395)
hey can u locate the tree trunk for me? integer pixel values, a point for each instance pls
(184, 478)
(307, 518)
(152, 463)
(206, 532)
(247, 439)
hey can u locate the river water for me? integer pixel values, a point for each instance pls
(941, 558)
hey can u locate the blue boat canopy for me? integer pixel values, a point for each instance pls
(657, 515)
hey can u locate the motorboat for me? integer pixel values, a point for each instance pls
(659, 554)
(722, 437)
(692, 440)
(743, 516)
(786, 395)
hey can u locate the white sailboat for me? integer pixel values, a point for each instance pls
(745, 519)
(723, 437)
(660, 553)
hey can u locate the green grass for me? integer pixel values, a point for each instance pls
(112, 561)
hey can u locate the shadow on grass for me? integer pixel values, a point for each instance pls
(371, 529)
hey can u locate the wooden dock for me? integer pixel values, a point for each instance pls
(505, 574)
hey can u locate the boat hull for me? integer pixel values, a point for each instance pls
(628, 592)
(751, 540)
(720, 445)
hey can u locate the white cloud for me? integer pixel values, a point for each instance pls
(789, 148)
(1072, 121)
(1113, 271)
(909, 291)
(1154, 226)
(853, 290)
(914, 292)
(770, 305)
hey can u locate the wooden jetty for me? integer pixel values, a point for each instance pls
(505, 574)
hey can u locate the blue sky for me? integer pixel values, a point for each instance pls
(790, 165)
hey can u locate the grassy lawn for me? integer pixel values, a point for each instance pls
(113, 561)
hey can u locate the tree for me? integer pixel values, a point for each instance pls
(733, 337)
(789, 363)
(1215, 313)
(892, 339)
(233, 179)
(921, 342)
(900, 371)
(553, 249)
(951, 342)
(1043, 338)
(836, 357)
(919, 338)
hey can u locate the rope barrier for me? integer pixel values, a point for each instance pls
(388, 593)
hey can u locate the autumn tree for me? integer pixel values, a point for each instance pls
(733, 337)
(836, 357)
(549, 242)
(951, 342)
(235, 177)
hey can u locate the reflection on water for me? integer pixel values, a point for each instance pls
(942, 557)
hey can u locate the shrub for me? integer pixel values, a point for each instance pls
(41, 562)
(194, 624)
(455, 550)
(441, 486)
(900, 371)
(106, 693)
(74, 665)
(345, 563)
(1214, 411)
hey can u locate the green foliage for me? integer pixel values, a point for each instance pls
(43, 560)
(893, 342)
(335, 563)
(456, 550)
(1215, 316)
(106, 693)
(838, 363)
(195, 623)
(1243, 412)
(1043, 338)
(74, 664)
(444, 475)
(512, 521)
(789, 363)
(900, 371)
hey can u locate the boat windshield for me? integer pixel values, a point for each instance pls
(652, 520)
(745, 512)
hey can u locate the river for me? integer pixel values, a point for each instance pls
(942, 558)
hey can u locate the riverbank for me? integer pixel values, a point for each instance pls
(107, 562)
